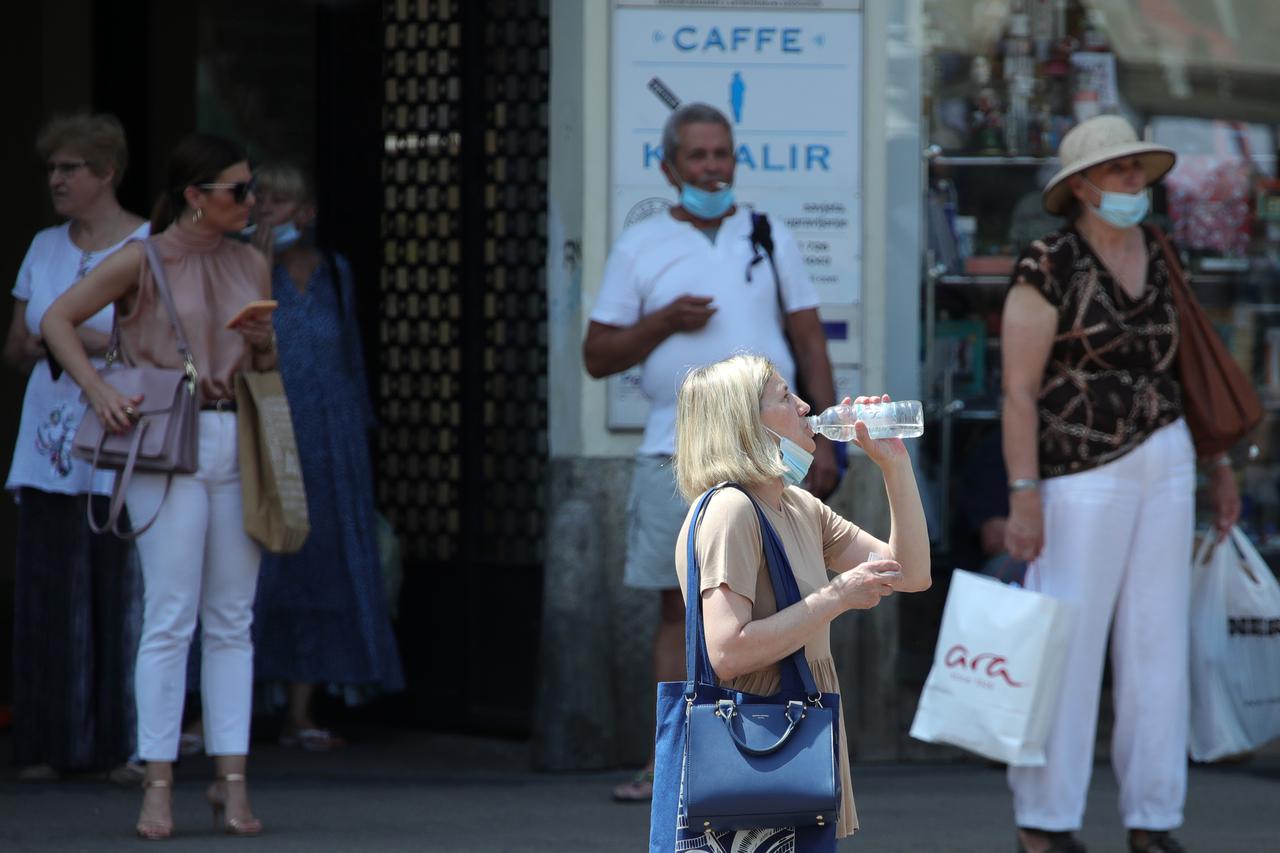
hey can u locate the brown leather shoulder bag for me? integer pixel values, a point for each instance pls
(1218, 401)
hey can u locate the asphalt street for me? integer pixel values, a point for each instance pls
(412, 791)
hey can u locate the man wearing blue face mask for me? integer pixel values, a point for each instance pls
(685, 288)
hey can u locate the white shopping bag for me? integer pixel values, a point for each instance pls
(1235, 649)
(997, 671)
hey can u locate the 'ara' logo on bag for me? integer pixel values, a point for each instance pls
(994, 665)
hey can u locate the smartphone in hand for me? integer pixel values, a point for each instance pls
(258, 309)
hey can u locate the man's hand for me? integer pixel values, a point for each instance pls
(688, 313)
(991, 535)
(824, 474)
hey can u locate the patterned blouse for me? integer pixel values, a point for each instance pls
(1111, 379)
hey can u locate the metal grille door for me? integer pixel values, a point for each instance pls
(463, 397)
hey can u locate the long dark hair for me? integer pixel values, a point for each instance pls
(198, 159)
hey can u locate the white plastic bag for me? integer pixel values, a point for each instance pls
(1235, 649)
(997, 671)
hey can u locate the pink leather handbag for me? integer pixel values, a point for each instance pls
(164, 439)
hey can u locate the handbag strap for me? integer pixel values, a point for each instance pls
(1178, 282)
(166, 298)
(698, 669)
(120, 487)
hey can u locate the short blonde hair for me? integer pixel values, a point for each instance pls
(98, 138)
(719, 434)
(283, 179)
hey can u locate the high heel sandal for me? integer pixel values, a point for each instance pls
(230, 825)
(154, 830)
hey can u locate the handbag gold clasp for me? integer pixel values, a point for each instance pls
(193, 376)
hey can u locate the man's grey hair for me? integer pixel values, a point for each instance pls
(693, 113)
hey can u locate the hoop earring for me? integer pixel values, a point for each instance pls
(197, 216)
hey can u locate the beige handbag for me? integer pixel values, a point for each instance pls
(164, 438)
(275, 499)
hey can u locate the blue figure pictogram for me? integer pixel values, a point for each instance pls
(737, 91)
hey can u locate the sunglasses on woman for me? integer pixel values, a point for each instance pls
(239, 190)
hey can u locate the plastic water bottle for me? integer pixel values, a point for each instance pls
(898, 419)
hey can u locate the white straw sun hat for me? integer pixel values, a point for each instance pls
(1102, 138)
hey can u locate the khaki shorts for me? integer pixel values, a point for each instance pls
(655, 514)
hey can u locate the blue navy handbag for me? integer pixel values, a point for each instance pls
(735, 771)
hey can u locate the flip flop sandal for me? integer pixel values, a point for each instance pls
(638, 790)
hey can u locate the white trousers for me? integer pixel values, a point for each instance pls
(196, 560)
(1118, 544)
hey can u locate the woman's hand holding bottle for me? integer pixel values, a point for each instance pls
(874, 423)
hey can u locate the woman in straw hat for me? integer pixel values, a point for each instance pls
(1102, 485)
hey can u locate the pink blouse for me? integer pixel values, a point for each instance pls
(210, 278)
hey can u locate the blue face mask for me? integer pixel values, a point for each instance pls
(795, 457)
(706, 204)
(1122, 210)
(285, 235)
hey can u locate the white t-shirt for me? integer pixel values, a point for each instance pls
(51, 411)
(662, 258)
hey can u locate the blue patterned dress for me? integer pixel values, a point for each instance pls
(320, 615)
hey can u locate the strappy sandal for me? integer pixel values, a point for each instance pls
(1158, 841)
(150, 828)
(241, 826)
(1059, 842)
(638, 790)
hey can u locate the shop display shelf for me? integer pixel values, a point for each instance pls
(963, 280)
(990, 160)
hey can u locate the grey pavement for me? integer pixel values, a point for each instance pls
(413, 791)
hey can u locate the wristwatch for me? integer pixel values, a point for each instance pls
(1024, 484)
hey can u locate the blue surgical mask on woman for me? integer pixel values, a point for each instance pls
(285, 235)
(1122, 210)
(796, 459)
(706, 204)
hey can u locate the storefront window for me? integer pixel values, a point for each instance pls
(1003, 81)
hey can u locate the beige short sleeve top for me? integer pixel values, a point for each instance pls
(730, 551)
(211, 278)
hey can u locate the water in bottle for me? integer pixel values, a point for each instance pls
(898, 419)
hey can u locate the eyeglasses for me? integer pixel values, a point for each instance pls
(65, 168)
(239, 190)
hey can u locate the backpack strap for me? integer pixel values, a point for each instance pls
(762, 241)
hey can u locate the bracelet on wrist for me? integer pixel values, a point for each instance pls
(1024, 484)
(1222, 461)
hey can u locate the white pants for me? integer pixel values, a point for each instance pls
(1118, 544)
(196, 560)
